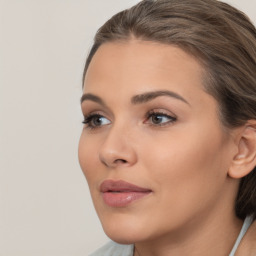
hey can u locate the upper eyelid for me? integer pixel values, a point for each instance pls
(98, 112)
(89, 106)
(163, 112)
(173, 117)
(90, 110)
(152, 111)
(107, 112)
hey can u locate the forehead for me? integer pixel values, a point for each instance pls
(136, 66)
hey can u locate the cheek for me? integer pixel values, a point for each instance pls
(88, 158)
(187, 164)
(188, 175)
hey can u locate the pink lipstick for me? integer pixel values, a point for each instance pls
(120, 193)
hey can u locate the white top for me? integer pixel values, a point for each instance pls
(247, 223)
(115, 249)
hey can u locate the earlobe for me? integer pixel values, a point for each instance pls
(245, 159)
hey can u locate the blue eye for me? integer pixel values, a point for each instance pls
(95, 120)
(160, 119)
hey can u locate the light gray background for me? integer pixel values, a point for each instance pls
(45, 207)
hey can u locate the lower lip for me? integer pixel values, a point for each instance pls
(122, 199)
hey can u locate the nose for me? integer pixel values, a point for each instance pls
(118, 148)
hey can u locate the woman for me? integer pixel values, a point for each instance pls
(169, 140)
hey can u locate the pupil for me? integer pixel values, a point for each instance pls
(97, 121)
(156, 119)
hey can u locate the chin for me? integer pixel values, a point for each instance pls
(122, 239)
(124, 230)
(122, 236)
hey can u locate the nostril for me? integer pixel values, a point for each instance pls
(121, 161)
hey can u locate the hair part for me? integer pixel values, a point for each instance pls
(221, 37)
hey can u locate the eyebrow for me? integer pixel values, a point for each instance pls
(137, 99)
(92, 97)
(148, 96)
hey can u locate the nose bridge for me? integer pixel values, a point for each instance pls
(118, 147)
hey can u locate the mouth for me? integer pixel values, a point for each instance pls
(121, 193)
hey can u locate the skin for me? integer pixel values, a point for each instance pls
(184, 162)
(248, 245)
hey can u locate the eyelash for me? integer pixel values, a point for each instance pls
(153, 113)
(89, 119)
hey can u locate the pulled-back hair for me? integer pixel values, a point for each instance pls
(221, 37)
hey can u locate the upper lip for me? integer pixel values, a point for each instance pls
(121, 186)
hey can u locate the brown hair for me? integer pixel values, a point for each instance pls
(219, 36)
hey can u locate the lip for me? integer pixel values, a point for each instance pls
(121, 193)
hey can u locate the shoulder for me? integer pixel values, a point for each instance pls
(248, 243)
(114, 249)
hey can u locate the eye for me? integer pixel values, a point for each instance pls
(95, 121)
(159, 119)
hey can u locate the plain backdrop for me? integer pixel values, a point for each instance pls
(45, 206)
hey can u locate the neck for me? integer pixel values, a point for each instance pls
(209, 236)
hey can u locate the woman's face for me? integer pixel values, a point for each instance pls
(150, 123)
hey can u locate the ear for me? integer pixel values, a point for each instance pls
(245, 159)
